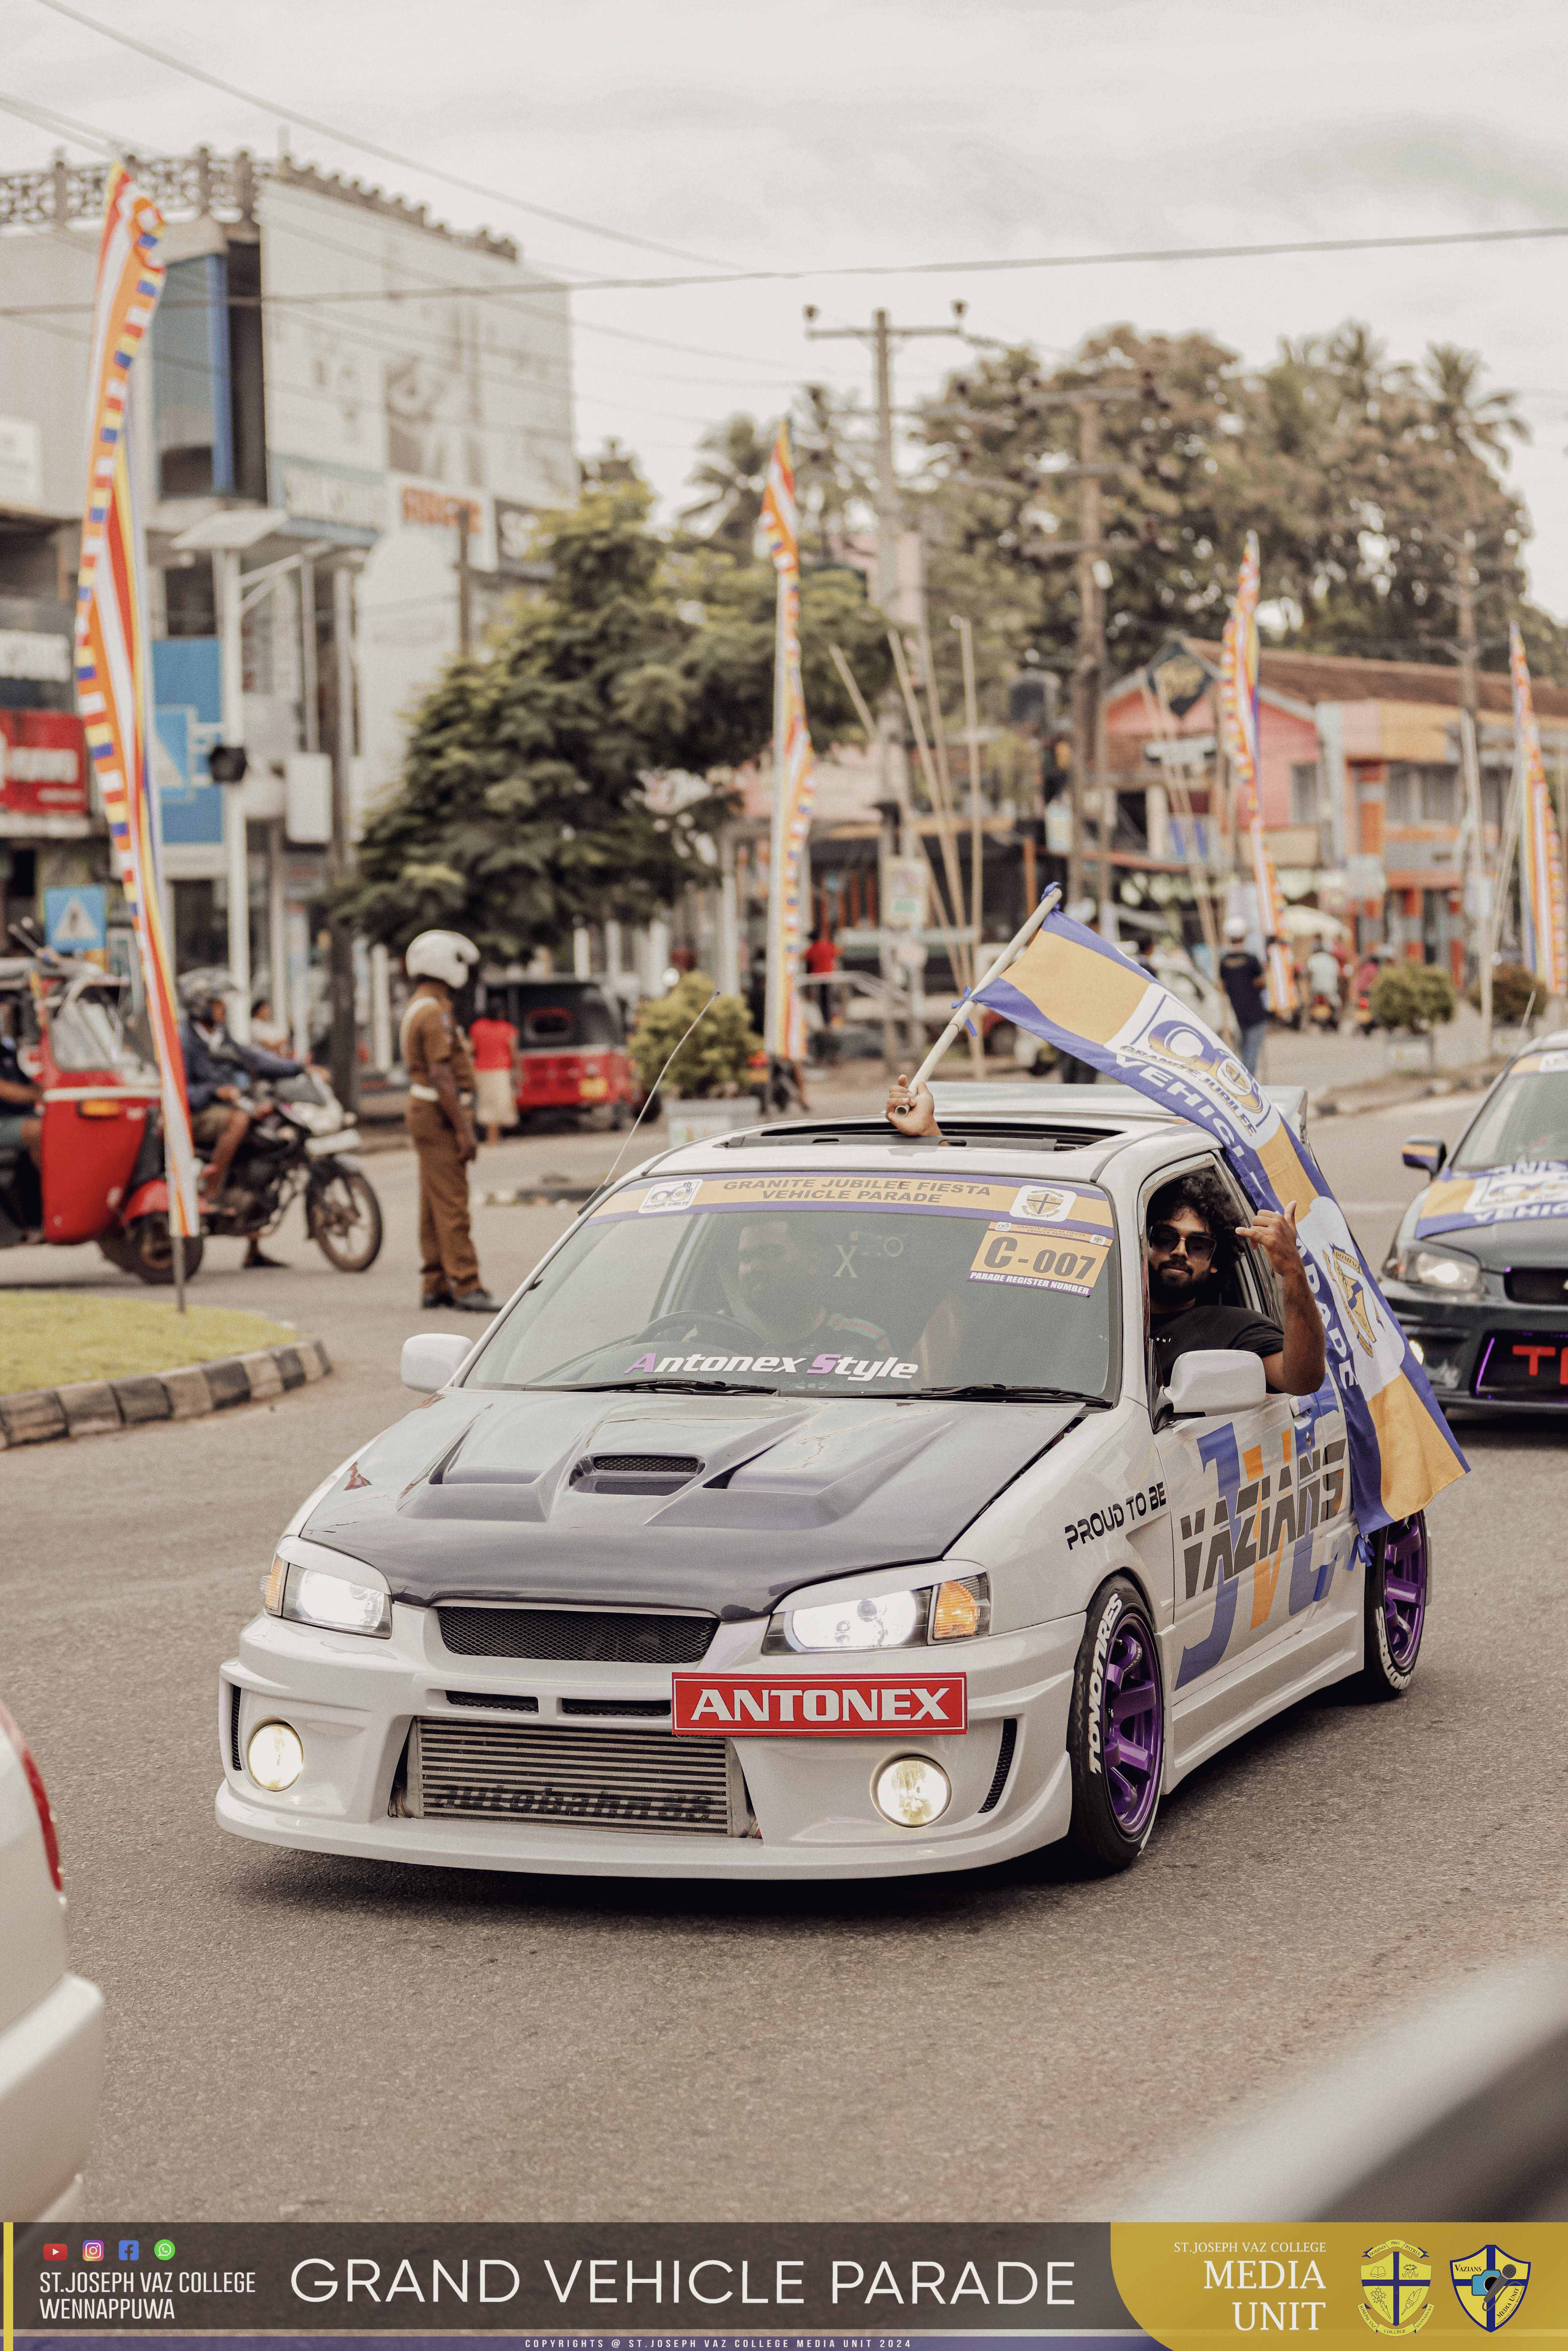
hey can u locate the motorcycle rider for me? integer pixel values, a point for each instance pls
(220, 1115)
(434, 1052)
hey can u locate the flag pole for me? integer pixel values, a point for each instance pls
(1004, 955)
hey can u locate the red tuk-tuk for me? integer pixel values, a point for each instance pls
(571, 1046)
(101, 1144)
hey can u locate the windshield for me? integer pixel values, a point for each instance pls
(822, 1284)
(1526, 1118)
(86, 1032)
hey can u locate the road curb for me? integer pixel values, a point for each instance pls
(93, 1407)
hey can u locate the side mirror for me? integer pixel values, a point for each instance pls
(1427, 1152)
(1213, 1379)
(431, 1358)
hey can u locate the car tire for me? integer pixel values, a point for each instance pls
(1115, 1747)
(1398, 1588)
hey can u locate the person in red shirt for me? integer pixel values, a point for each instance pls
(495, 1048)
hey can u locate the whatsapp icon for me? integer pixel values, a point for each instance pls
(163, 2251)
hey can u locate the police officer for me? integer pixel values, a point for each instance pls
(440, 1094)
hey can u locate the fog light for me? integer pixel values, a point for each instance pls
(275, 1756)
(912, 1792)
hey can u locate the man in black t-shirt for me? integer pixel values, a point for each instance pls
(1241, 976)
(1191, 1247)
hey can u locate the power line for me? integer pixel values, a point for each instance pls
(292, 114)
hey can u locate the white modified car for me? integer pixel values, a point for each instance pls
(51, 2022)
(812, 1511)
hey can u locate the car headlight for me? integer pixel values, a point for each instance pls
(312, 1585)
(957, 1609)
(1430, 1269)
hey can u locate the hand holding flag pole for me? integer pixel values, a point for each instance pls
(1008, 954)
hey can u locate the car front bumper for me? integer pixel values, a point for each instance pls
(804, 1806)
(1460, 1339)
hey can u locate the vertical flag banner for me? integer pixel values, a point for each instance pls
(112, 655)
(1088, 999)
(1238, 724)
(1544, 909)
(794, 769)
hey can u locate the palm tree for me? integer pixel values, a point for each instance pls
(831, 471)
(729, 478)
(1470, 422)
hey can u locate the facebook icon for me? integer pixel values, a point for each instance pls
(130, 2249)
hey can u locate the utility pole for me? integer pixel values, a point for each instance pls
(1469, 757)
(465, 582)
(882, 334)
(339, 854)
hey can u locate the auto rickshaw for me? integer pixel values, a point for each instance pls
(102, 1177)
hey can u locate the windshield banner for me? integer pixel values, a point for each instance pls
(1087, 1000)
(1508, 1196)
(1068, 1208)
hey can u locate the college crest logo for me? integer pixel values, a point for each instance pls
(1396, 2287)
(1173, 1043)
(1042, 1203)
(1490, 2285)
(1351, 1283)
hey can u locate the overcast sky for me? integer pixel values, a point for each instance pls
(871, 133)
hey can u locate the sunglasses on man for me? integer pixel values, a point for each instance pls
(1198, 1246)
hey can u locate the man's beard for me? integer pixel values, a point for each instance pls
(1173, 1285)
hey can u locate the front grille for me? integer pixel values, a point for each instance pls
(1537, 1285)
(655, 1708)
(603, 1636)
(646, 1780)
(499, 1701)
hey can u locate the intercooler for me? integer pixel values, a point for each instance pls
(601, 1778)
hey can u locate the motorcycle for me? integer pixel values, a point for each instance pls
(101, 1143)
(299, 1141)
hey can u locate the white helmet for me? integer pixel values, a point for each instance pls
(1235, 927)
(440, 955)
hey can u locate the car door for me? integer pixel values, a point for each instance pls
(1252, 1497)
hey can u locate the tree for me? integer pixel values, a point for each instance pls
(1361, 477)
(521, 811)
(729, 480)
(831, 479)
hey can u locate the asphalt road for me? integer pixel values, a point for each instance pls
(298, 2037)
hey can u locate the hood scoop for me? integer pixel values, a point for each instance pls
(634, 1473)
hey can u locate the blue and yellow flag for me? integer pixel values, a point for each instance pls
(1087, 1000)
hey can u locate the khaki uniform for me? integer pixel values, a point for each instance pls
(431, 1035)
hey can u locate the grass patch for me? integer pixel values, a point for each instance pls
(50, 1337)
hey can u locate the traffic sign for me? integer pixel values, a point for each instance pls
(76, 919)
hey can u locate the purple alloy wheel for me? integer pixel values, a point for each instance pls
(1405, 1591)
(1132, 1729)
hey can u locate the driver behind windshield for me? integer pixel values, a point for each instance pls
(1191, 1257)
(782, 1266)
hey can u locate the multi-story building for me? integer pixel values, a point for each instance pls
(340, 382)
(1363, 798)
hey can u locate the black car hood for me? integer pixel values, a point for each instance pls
(482, 1493)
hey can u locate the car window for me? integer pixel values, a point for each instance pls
(1526, 1119)
(549, 1024)
(835, 1283)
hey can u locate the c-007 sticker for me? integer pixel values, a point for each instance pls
(1031, 1258)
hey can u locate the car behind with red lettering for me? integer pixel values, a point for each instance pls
(1478, 1273)
(812, 1511)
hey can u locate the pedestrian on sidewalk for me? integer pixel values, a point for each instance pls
(1241, 976)
(440, 1090)
(494, 1047)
